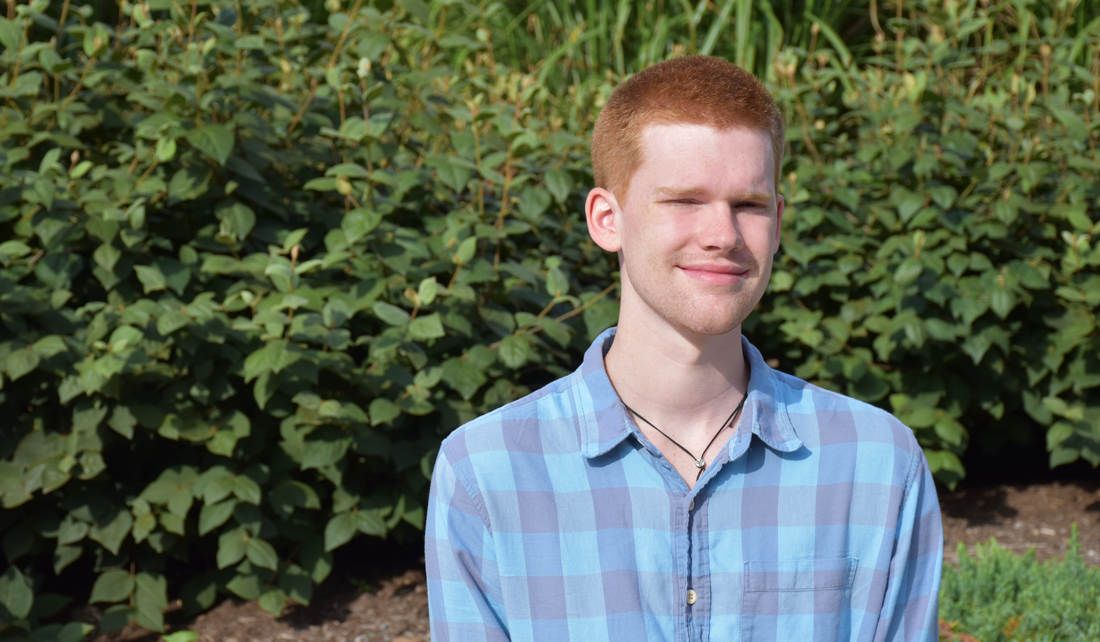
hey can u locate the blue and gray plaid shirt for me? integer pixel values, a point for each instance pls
(554, 518)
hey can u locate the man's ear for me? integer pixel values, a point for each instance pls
(779, 207)
(601, 210)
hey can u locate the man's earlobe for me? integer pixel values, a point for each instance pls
(602, 211)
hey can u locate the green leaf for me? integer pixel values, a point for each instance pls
(908, 271)
(150, 596)
(166, 149)
(315, 559)
(27, 84)
(222, 443)
(370, 522)
(214, 515)
(426, 327)
(71, 531)
(246, 489)
(11, 250)
(340, 530)
(151, 278)
(462, 375)
(466, 250)
(295, 582)
(452, 175)
(16, 594)
(383, 411)
(557, 331)
(106, 256)
(246, 587)
(181, 636)
(391, 314)
(950, 431)
(273, 601)
(262, 554)
(20, 362)
(112, 586)
(216, 141)
(11, 35)
(321, 184)
(237, 219)
(115, 617)
(347, 169)
(50, 346)
(1001, 301)
(290, 494)
(232, 546)
(560, 184)
(358, 223)
(514, 351)
(556, 282)
(111, 534)
(87, 418)
(198, 594)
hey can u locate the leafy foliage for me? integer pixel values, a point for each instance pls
(255, 265)
(997, 596)
(940, 258)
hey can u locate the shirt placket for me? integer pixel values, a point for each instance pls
(696, 594)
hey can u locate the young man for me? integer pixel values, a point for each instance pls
(675, 487)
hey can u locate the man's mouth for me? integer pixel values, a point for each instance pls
(715, 273)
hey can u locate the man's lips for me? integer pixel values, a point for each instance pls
(716, 273)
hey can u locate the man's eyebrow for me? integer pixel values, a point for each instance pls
(683, 192)
(680, 191)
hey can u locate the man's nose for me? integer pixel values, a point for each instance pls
(719, 230)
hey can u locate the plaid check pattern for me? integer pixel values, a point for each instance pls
(554, 518)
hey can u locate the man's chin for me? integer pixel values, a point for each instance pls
(706, 326)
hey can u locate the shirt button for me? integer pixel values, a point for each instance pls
(691, 506)
(692, 596)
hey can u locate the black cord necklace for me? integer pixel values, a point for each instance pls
(699, 462)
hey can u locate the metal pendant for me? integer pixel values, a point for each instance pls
(700, 464)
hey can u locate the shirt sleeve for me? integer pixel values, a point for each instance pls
(910, 612)
(464, 593)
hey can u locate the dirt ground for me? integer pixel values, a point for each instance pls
(1021, 517)
(368, 601)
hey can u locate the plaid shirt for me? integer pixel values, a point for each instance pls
(554, 518)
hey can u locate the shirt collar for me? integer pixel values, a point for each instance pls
(603, 419)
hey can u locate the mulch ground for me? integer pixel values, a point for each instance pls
(380, 595)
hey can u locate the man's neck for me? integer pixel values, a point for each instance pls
(684, 383)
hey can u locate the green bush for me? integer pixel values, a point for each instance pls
(997, 596)
(940, 258)
(256, 265)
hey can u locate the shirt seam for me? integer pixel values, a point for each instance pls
(475, 499)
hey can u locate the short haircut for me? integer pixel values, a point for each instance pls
(696, 90)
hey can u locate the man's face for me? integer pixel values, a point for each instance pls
(699, 227)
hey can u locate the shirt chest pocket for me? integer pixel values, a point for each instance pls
(804, 600)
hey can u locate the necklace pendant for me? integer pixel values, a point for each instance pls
(700, 464)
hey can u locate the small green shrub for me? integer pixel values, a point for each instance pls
(997, 596)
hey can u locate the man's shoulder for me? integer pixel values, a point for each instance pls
(538, 422)
(824, 417)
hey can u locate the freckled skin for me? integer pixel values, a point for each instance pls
(698, 228)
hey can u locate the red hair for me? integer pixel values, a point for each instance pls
(697, 90)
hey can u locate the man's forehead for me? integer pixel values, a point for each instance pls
(686, 128)
(680, 153)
